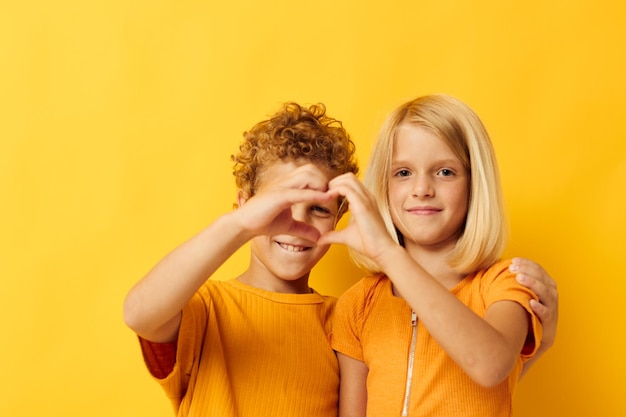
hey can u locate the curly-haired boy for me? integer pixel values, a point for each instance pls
(256, 345)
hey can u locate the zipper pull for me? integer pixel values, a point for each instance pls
(413, 319)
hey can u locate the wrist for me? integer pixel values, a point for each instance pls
(234, 224)
(390, 257)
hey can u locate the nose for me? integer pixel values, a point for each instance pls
(423, 186)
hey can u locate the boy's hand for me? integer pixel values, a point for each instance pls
(268, 212)
(533, 276)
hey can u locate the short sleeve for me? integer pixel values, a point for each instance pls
(347, 324)
(500, 284)
(189, 343)
(160, 358)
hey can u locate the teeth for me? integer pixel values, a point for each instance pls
(292, 248)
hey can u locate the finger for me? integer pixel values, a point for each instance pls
(532, 269)
(285, 224)
(527, 267)
(536, 286)
(542, 312)
(347, 177)
(264, 207)
(358, 197)
(304, 177)
(308, 176)
(304, 231)
(293, 196)
(547, 295)
(333, 236)
(347, 182)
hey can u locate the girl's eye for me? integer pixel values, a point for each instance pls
(403, 173)
(446, 172)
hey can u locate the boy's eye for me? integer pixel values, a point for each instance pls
(321, 210)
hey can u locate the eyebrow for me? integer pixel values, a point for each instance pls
(448, 161)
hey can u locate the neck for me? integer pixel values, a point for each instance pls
(434, 261)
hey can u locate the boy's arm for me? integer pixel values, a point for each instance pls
(153, 306)
(533, 276)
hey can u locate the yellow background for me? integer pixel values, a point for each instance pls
(118, 118)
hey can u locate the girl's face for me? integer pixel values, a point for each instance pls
(428, 189)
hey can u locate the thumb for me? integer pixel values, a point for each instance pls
(332, 236)
(304, 231)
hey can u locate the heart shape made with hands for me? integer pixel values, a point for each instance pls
(301, 201)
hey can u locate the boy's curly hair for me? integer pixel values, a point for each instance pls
(294, 133)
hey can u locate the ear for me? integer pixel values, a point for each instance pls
(242, 197)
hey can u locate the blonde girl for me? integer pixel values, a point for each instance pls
(441, 327)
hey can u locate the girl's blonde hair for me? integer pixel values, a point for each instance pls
(483, 237)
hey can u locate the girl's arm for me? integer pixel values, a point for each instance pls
(352, 386)
(486, 349)
(153, 306)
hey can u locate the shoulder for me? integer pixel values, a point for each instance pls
(359, 298)
(498, 270)
(494, 276)
(498, 283)
(212, 294)
(365, 288)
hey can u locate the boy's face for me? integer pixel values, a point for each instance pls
(286, 260)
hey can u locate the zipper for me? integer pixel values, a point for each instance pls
(409, 370)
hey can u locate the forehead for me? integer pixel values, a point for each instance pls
(416, 141)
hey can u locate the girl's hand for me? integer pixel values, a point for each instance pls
(366, 231)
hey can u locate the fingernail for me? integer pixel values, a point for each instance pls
(514, 268)
(521, 278)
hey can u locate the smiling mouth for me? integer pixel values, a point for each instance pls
(424, 210)
(293, 248)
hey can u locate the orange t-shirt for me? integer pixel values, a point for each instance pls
(243, 351)
(374, 326)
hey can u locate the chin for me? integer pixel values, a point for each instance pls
(293, 277)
